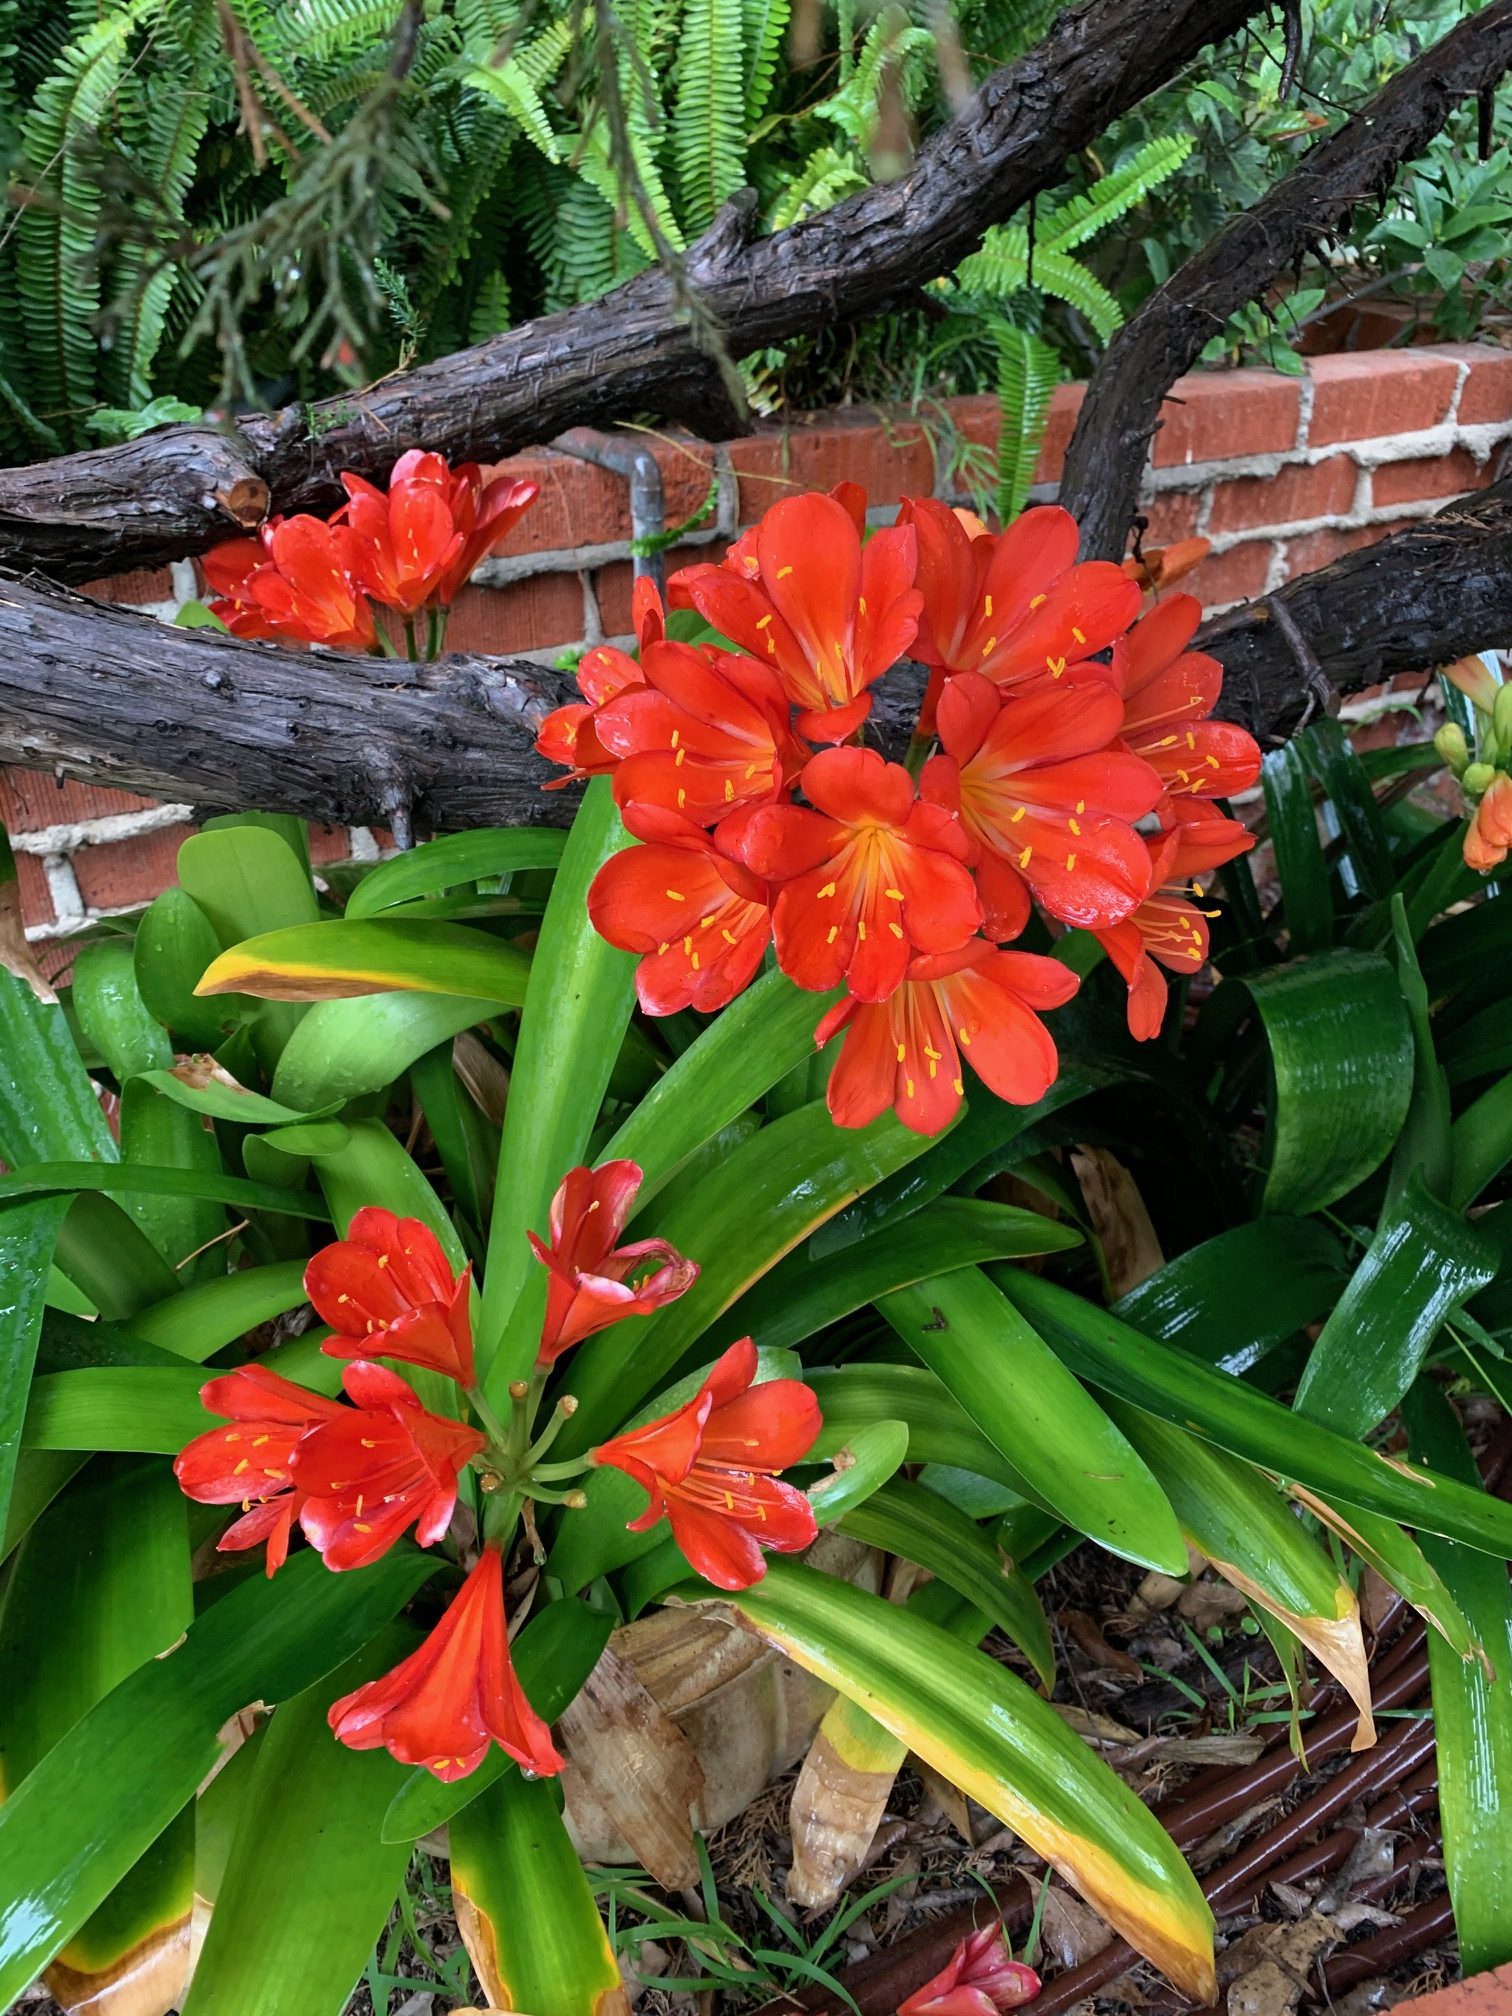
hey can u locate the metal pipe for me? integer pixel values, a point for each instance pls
(648, 503)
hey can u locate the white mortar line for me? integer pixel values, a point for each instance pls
(102, 832)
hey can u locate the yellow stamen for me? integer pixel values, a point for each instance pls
(1037, 600)
(1026, 857)
(1070, 863)
(828, 889)
(676, 896)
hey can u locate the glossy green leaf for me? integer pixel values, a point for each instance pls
(1234, 1298)
(1480, 1143)
(1041, 1417)
(1472, 1711)
(983, 1729)
(40, 1475)
(28, 1234)
(802, 1294)
(71, 1343)
(1401, 1564)
(854, 1397)
(453, 859)
(343, 1049)
(1424, 1140)
(338, 959)
(1342, 1055)
(904, 1518)
(1329, 754)
(467, 1143)
(865, 1461)
(579, 1000)
(1300, 866)
(175, 942)
(43, 1179)
(1231, 1413)
(310, 1880)
(151, 1409)
(763, 1034)
(222, 1100)
(48, 1109)
(202, 1320)
(758, 1205)
(117, 1779)
(247, 880)
(525, 1906)
(553, 1655)
(1423, 1261)
(112, 1014)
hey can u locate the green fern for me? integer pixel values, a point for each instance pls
(824, 178)
(892, 43)
(764, 24)
(1001, 269)
(1027, 371)
(708, 125)
(1081, 217)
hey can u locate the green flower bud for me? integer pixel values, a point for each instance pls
(1478, 778)
(1451, 745)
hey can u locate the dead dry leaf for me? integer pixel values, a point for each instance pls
(1268, 1968)
(1130, 1250)
(1071, 1930)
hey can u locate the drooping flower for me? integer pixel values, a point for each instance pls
(1041, 786)
(868, 877)
(711, 1466)
(592, 1282)
(1015, 606)
(694, 912)
(454, 1695)
(249, 1463)
(802, 594)
(569, 735)
(1169, 693)
(1168, 929)
(1161, 566)
(295, 581)
(906, 1052)
(981, 1978)
(388, 1291)
(424, 538)
(374, 1468)
(706, 734)
(1488, 838)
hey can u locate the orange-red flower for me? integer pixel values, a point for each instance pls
(1041, 786)
(295, 581)
(1169, 693)
(249, 1464)
(1167, 927)
(1016, 606)
(981, 1978)
(453, 1696)
(870, 876)
(388, 1291)
(372, 1469)
(698, 916)
(906, 1052)
(711, 1466)
(1489, 834)
(591, 1281)
(802, 594)
(569, 735)
(420, 541)
(706, 734)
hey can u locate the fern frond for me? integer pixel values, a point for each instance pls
(509, 85)
(1072, 223)
(323, 31)
(1004, 29)
(1001, 269)
(824, 178)
(708, 124)
(1068, 280)
(1027, 371)
(490, 312)
(763, 27)
(892, 42)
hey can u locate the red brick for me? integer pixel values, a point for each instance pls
(1168, 517)
(1379, 393)
(1319, 490)
(1214, 416)
(583, 505)
(1486, 395)
(329, 843)
(612, 585)
(129, 872)
(889, 458)
(1448, 475)
(30, 799)
(36, 897)
(978, 417)
(1319, 549)
(1482, 1995)
(154, 584)
(1233, 576)
(529, 615)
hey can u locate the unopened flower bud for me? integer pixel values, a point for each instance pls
(1478, 778)
(1451, 745)
(1501, 716)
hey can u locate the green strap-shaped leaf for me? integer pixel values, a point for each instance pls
(339, 958)
(48, 1109)
(153, 1410)
(1342, 1054)
(220, 1101)
(524, 1905)
(1038, 1414)
(1300, 865)
(1480, 1143)
(853, 1397)
(759, 1204)
(204, 1319)
(1423, 1261)
(906, 1519)
(975, 1723)
(1472, 1711)
(50, 1179)
(576, 1008)
(453, 859)
(1424, 1140)
(1233, 1414)
(310, 1880)
(867, 1460)
(28, 1234)
(108, 1789)
(1234, 1298)
(344, 1049)
(246, 879)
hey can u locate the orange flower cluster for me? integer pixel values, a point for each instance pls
(311, 580)
(1075, 766)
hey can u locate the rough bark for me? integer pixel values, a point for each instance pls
(180, 489)
(116, 698)
(1121, 411)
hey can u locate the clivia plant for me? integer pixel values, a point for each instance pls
(446, 1302)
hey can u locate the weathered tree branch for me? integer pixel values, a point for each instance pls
(180, 489)
(1120, 413)
(111, 696)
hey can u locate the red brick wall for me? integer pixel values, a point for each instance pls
(1280, 474)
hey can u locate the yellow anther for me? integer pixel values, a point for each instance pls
(989, 647)
(1026, 857)
(861, 930)
(902, 1053)
(963, 1037)
(676, 896)
(783, 573)
(908, 1087)
(896, 930)
(763, 621)
(1055, 667)
(681, 756)
(687, 946)
(1077, 635)
(676, 737)
(986, 605)
(832, 934)
(1037, 600)
(895, 894)
(729, 790)
(1070, 863)
(682, 799)
(729, 937)
(828, 889)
